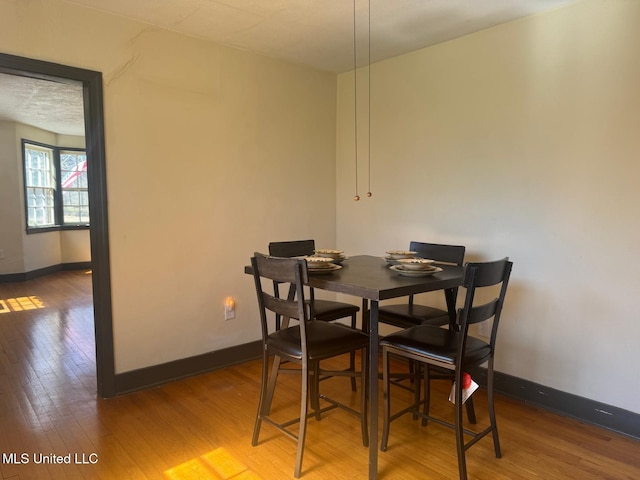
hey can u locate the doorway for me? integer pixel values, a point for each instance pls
(99, 232)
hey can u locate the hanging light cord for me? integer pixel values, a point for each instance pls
(355, 97)
(369, 99)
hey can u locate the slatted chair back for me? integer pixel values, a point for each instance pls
(280, 270)
(441, 253)
(478, 276)
(295, 248)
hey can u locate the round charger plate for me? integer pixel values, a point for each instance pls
(329, 252)
(414, 273)
(416, 263)
(330, 269)
(318, 261)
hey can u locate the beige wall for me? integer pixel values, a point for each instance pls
(11, 217)
(210, 154)
(519, 141)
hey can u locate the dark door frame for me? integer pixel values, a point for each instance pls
(96, 172)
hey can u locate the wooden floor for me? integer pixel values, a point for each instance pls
(200, 428)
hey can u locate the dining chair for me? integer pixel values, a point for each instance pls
(306, 343)
(325, 310)
(409, 314)
(454, 350)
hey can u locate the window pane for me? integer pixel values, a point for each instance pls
(75, 198)
(40, 182)
(40, 209)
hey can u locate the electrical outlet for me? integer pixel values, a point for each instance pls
(229, 309)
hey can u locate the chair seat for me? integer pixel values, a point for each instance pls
(439, 344)
(324, 340)
(405, 315)
(327, 310)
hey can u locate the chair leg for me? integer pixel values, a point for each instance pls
(471, 411)
(272, 383)
(427, 394)
(314, 380)
(415, 379)
(462, 464)
(262, 403)
(412, 370)
(386, 399)
(304, 400)
(492, 412)
(364, 403)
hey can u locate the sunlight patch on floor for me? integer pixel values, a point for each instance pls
(217, 464)
(19, 304)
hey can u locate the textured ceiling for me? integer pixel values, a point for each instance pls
(317, 33)
(45, 104)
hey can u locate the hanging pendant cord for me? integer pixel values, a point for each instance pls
(369, 95)
(355, 98)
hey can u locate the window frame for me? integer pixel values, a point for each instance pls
(58, 205)
(83, 200)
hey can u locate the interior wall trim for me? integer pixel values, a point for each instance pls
(155, 375)
(563, 403)
(41, 272)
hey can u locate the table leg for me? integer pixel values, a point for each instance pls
(373, 390)
(365, 315)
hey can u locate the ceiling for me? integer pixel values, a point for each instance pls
(49, 105)
(319, 34)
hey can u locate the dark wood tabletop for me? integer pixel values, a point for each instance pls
(370, 277)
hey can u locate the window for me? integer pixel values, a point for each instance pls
(75, 192)
(40, 181)
(56, 187)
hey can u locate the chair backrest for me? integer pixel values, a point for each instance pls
(295, 248)
(480, 275)
(441, 253)
(275, 270)
(453, 254)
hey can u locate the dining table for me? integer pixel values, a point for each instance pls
(370, 278)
